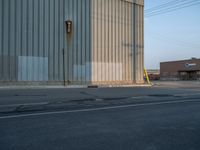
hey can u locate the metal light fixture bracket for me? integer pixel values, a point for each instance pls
(68, 26)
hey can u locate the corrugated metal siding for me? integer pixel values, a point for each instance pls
(36, 28)
(117, 48)
(1, 39)
(139, 43)
(79, 42)
(105, 46)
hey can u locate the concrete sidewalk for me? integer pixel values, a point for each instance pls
(177, 84)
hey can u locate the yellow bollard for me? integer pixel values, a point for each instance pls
(146, 75)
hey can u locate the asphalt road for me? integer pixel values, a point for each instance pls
(155, 119)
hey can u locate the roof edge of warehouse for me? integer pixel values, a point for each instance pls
(139, 2)
(192, 59)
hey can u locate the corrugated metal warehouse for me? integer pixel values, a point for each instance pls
(81, 42)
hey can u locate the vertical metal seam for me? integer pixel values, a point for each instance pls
(3, 28)
(73, 44)
(105, 41)
(111, 36)
(15, 43)
(90, 39)
(119, 35)
(85, 41)
(143, 38)
(97, 42)
(140, 42)
(78, 42)
(28, 35)
(108, 39)
(77, 46)
(129, 43)
(102, 45)
(33, 27)
(27, 31)
(47, 45)
(81, 29)
(9, 65)
(63, 61)
(76, 39)
(54, 28)
(102, 40)
(1, 54)
(123, 76)
(20, 33)
(129, 39)
(58, 48)
(134, 43)
(111, 41)
(43, 28)
(38, 30)
(43, 48)
(39, 38)
(10, 69)
(126, 35)
(67, 44)
(21, 36)
(115, 43)
(92, 47)
(57, 37)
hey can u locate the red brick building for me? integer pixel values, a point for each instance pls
(180, 70)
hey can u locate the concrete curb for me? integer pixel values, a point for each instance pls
(72, 86)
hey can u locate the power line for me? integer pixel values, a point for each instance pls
(163, 5)
(155, 14)
(182, 5)
(174, 5)
(172, 8)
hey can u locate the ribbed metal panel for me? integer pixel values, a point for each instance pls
(117, 48)
(78, 42)
(33, 34)
(105, 45)
(1, 39)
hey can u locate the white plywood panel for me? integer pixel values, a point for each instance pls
(39, 71)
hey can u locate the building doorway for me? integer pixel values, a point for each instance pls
(188, 75)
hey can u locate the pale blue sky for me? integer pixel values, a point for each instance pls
(171, 36)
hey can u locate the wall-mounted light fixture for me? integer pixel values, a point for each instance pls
(68, 26)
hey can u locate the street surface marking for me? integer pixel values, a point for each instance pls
(96, 109)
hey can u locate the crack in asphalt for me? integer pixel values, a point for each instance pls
(22, 95)
(86, 102)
